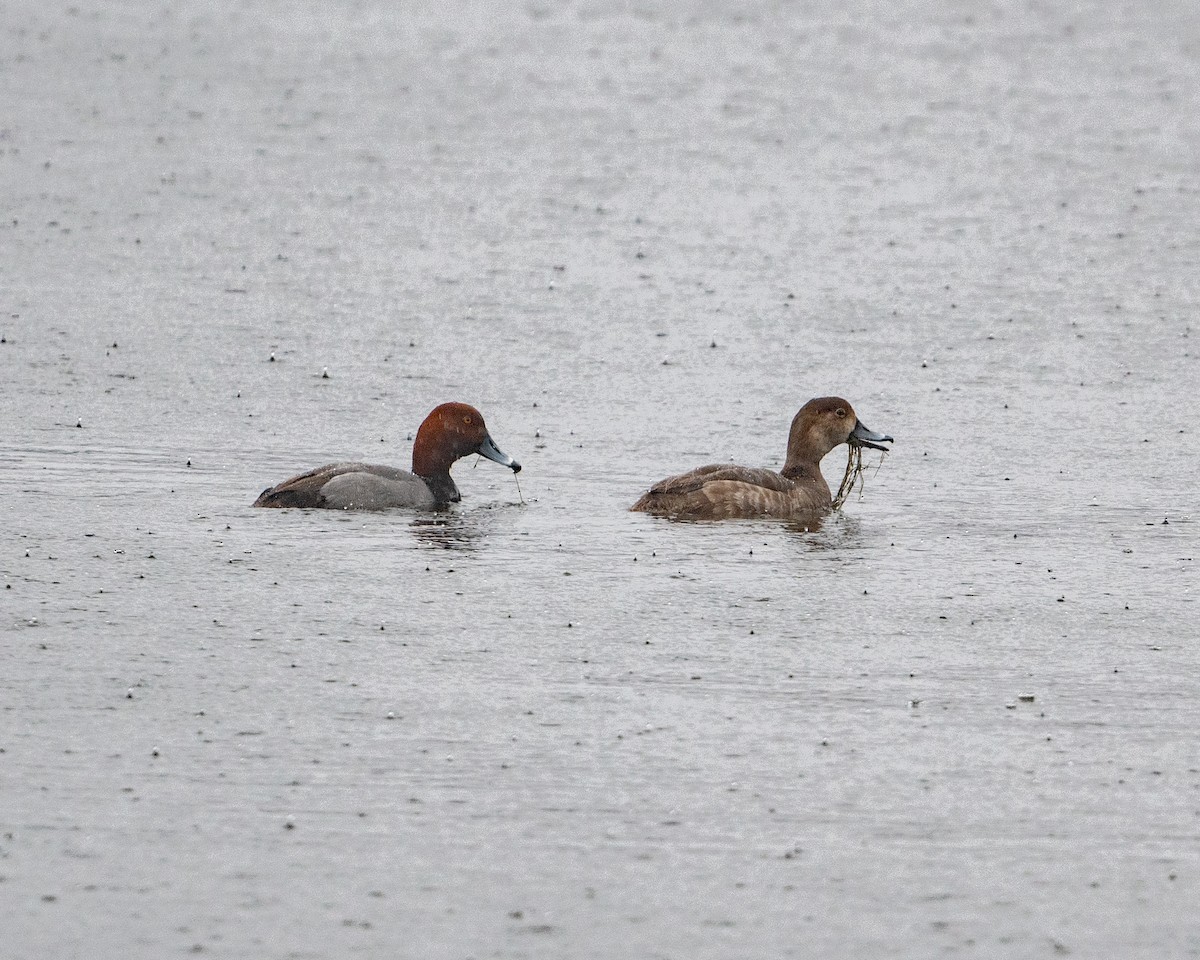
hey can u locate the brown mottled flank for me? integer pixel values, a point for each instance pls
(725, 491)
(450, 432)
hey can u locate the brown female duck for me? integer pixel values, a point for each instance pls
(723, 491)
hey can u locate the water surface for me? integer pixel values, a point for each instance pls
(958, 719)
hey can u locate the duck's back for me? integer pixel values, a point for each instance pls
(350, 486)
(721, 491)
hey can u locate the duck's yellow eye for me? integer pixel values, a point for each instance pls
(467, 420)
(841, 412)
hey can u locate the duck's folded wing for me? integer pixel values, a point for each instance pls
(304, 489)
(378, 488)
(693, 480)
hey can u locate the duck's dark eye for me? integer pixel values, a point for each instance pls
(841, 412)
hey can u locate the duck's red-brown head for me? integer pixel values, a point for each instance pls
(450, 432)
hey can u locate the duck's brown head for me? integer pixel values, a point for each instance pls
(824, 423)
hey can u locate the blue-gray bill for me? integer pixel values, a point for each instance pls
(489, 449)
(861, 436)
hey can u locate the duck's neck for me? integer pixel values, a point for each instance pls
(807, 474)
(442, 487)
(431, 456)
(431, 461)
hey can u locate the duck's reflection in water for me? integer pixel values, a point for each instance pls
(448, 530)
(455, 529)
(818, 532)
(834, 531)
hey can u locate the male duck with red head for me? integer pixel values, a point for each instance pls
(722, 491)
(450, 432)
